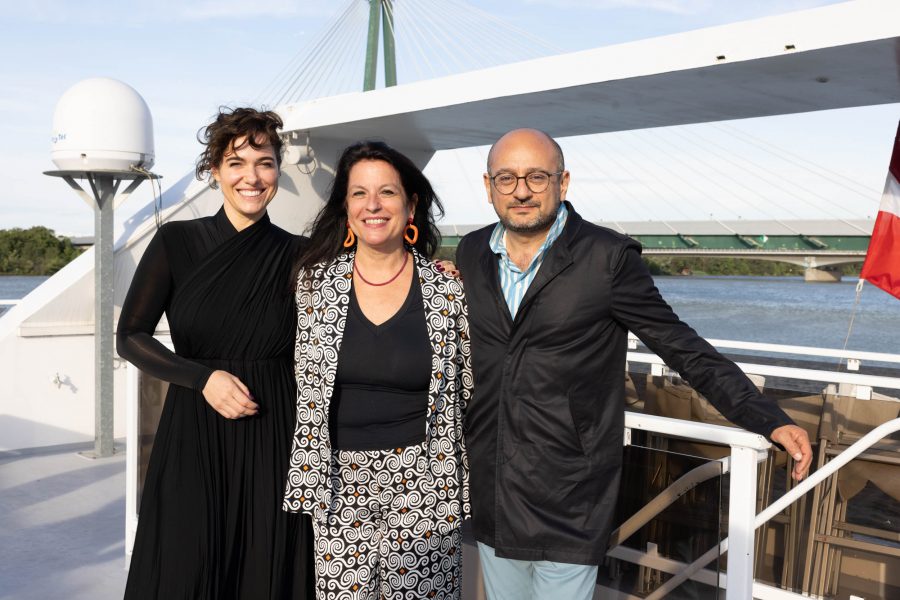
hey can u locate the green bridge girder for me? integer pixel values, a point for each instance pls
(735, 242)
(743, 245)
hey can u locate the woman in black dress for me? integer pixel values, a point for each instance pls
(211, 524)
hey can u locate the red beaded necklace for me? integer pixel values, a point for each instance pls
(403, 266)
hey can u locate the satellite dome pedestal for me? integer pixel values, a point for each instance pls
(103, 199)
(102, 133)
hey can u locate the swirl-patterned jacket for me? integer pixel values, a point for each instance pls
(321, 317)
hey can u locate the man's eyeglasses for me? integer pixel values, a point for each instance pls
(537, 181)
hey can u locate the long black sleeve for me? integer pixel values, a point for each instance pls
(638, 305)
(144, 305)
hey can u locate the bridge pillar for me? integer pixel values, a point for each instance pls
(820, 274)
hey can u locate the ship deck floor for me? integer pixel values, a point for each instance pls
(62, 523)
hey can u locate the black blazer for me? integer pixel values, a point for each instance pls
(544, 427)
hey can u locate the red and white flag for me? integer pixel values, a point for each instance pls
(882, 266)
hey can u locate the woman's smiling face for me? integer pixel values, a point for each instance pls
(377, 206)
(248, 177)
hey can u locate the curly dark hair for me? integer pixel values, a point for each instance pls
(330, 226)
(231, 124)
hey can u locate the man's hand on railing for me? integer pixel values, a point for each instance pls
(795, 440)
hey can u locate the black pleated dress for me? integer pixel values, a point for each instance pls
(211, 524)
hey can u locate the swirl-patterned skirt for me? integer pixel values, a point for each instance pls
(377, 543)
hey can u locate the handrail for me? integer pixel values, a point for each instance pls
(695, 430)
(878, 381)
(807, 350)
(799, 350)
(863, 444)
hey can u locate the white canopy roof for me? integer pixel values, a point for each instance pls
(836, 56)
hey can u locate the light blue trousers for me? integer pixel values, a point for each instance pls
(509, 579)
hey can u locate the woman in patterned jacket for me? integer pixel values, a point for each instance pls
(383, 372)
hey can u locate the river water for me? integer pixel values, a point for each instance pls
(778, 310)
(13, 287)
(786, 310)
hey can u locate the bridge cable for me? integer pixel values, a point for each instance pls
(635, 199)
(515, 33)
(322, 46)
(658, 164)
(797, 161)
(470, 24)
(710, 176)
(440, 35)
(308, 55)
(416, 40)
(432, 26)
(316, 82)
(775, 219)
(715, 173)
(437, 36)
(612, 189)
(643, 181)
(321, 72)
(490, 46)
(353, 48)
(779, 187)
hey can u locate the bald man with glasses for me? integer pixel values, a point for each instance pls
(551, 300)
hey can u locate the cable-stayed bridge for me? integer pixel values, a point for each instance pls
(637, 94)
(717, 165)
(813, 245)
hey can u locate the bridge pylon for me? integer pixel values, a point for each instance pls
(380, 12)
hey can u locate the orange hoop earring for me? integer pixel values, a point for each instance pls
(351, 237)
(414, 235)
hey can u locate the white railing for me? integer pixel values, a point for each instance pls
(854, 358)
(848, 355)
(738, 582)
(863, 383)
(747, 451)
(132, 451)
(743, 473)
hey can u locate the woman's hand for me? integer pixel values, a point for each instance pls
(447, 266)
(229, 396)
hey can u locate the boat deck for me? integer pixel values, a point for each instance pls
(61, 525)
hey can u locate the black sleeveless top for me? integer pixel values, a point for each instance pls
(381, 387)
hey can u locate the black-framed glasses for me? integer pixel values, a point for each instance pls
(536, 181)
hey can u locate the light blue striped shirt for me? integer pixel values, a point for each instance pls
(513, 281)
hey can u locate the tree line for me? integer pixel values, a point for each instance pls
(39, 251)
(719, 265)
(34, 251)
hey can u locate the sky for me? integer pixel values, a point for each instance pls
(188, 57)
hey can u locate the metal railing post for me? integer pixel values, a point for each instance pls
(741, 512)
(132, 452)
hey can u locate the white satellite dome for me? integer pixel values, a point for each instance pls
(102, 124)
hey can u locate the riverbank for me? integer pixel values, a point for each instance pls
(34, 251)
(733, 266)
